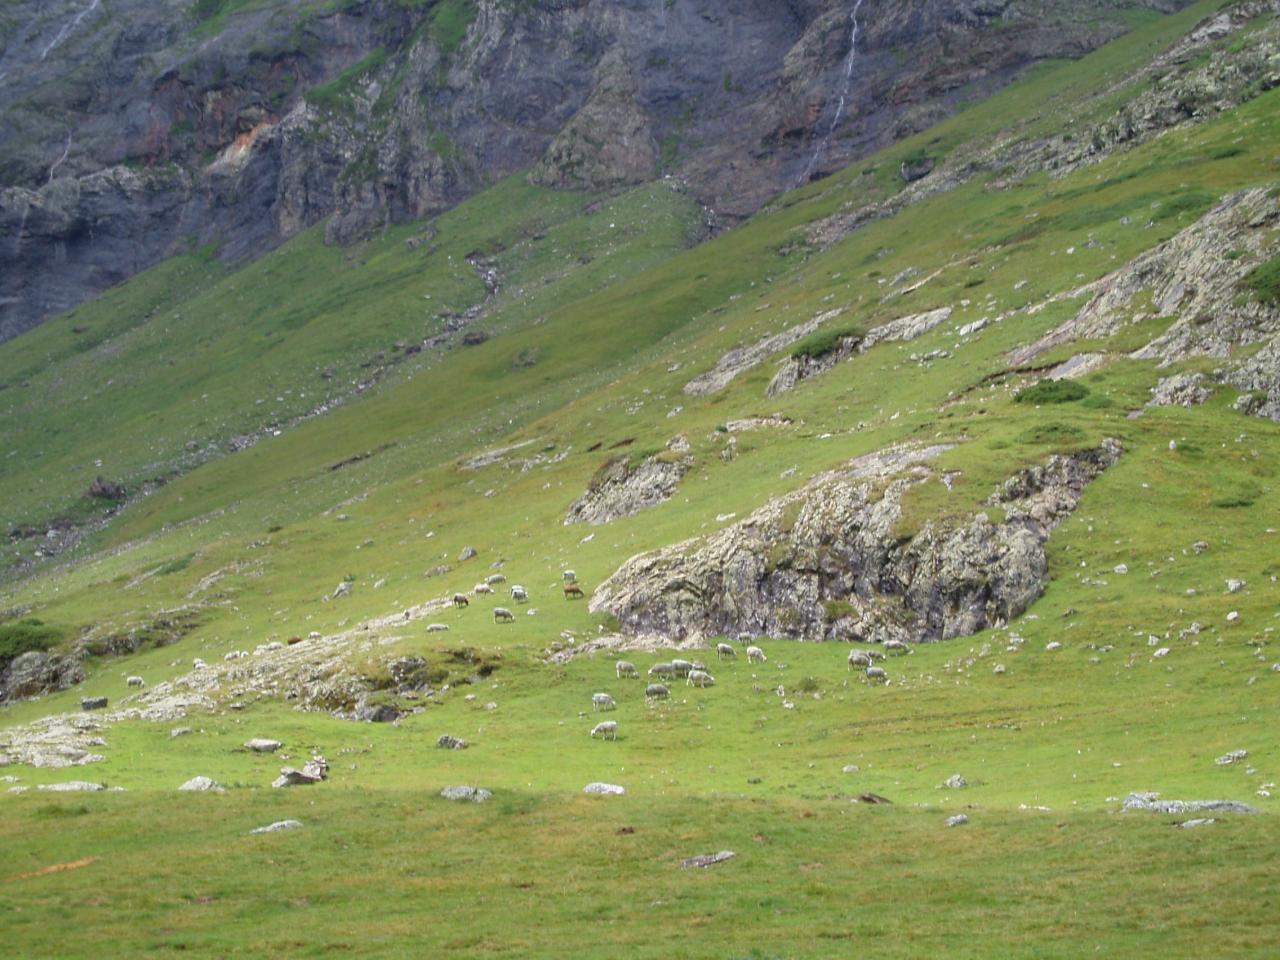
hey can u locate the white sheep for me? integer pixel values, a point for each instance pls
(437, 627)
(135, 682)
(626, 668)
(570, 576)
(519, 593)
(896, 647)
(656, 691)
(877, 673)
(681, 668)
(724, 650)
(495, 578)
(608, 730)
(503, 615)
(482, 588)
(700, 678)
(744, 637)
(755, 655)
(662, 670)
(602, 701)
(859, 658)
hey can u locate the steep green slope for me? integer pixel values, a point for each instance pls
(769, 761)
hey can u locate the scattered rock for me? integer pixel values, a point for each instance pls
(1196, 822)
(313, 771)
(1235, 756)
(342, 590)
(368, 712)
(104, 489)
(180, 731)
(1149, 801)
(263, 745)
(464, 792)
(708, 859)
(203, 784)
(621, 488)
(447, 742)
(278, 826)
(604, 788)
(849, 768)
(954, 782)
(466, 554)
(93, 703)
(958, 820)
(1235, 586)
(71, 786)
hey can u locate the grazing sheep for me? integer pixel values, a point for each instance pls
(602, 701)
(744, 637)
(135, 682)
(859, 658)
(682, 667)
(700, 678)
(755, 655)
(896, 647)
(724, 650)
(572, 590)
(460, 600)
(503, 615)
(877, 673)
(519, 593)
(662, 670)
(626, 668)
(608, 730)
(656, 691)
(482, 588)
(495, 578)
(570, 576)
(437, 627)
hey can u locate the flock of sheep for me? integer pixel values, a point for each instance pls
(695, 673)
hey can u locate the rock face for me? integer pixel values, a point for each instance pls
(466, 793)
(824, 561)
(36, 672)
(203, 785)
(1146, 801)
(132, 130)
(622, 488)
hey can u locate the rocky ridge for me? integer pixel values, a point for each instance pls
(825, 562)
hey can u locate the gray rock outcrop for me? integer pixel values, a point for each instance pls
(37, 672)
(466, 793)
(623, 488)
(825, 562)
(278, 826)
(203, 785)
(1149, 802)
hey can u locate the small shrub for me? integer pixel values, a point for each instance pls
(24, 636)
(1264, 282)
(1052, 391)
(808, 685)
(838, 609)
(176, 566)
(823, 342)
(1056, 434)
(1224, 153)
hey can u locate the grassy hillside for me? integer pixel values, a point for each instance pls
(604, 311)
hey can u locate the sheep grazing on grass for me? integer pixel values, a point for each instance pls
(572, 590)
(896, 647)
(755, 655)
(437, 627)
(602, 701)
(519, 594)
(495, 578)
(700, 678)
(608, 730)
(135, 682)
(503, 615)
(724, 650)
(682, 667)
(460, 600)
(482, 588)
(859, 658)
(626, 668)
(662, 670)
(744, 637)
(877, 674)
(570, 576)
(656, 691)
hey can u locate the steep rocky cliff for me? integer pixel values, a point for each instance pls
(131, 131)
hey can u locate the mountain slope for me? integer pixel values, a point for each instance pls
(133, 132)
(1088, 267)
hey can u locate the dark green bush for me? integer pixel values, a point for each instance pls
(1052, 391)
(823, 342)
(24, 636)
(1264, 281)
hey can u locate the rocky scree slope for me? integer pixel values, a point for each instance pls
(131, 131)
